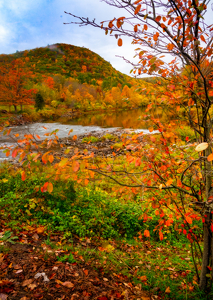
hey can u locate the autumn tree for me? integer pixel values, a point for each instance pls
(13, 79)
(174, 42)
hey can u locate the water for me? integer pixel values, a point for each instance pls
(87, 123)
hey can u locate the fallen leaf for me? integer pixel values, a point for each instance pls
(35, 236)
(58, 281)
(68, 284)
(85, 272)
(143, 278)
(40, 229)
(167, 291)
(1, 257)
(32, 286)
(19, 271)
(105, 279)
(42, 274)
(27, 282)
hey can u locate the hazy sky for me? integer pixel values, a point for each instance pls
(27, 24)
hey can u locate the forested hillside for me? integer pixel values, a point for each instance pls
(70, 61)
(66, 77)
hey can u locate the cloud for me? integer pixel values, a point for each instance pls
(29, 24)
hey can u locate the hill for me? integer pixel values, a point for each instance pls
(71, 61)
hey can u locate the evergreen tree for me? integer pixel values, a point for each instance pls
(39, 102)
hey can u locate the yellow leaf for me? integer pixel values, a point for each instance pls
(63, 162)
(169, 182)
(50, 187)
(201, 147)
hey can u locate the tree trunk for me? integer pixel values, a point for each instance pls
(15, 107)
(206, 252)
(207, 234)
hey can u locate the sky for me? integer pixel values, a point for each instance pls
(28, 24)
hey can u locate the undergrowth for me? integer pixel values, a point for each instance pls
(115, 226)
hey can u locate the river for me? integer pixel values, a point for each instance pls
(131, 119)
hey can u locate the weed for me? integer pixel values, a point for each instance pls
(7, 237)
(91, 139)
(110, 137)
(70, 258)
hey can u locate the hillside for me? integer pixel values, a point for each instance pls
(71, 61)
(67, 77)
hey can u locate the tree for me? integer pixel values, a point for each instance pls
(13, 78)
(39, 102)
(174, 42)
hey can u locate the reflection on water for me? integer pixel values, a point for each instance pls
(125, 119)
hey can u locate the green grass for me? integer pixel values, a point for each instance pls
(113, 227)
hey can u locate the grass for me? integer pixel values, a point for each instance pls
(113, 226)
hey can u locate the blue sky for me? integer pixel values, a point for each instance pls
(27, 24)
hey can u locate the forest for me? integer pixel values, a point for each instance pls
(120, 214)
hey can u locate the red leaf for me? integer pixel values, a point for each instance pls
(9, 131)
(158, 19)
(146, 233)
(138, 162)
(120, 42)
(202, 38)
(161, 235)
(85, 272)
(14, 153)
(138, 8)
(23, 176)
